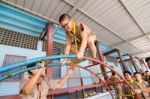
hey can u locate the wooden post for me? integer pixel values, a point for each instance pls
(49, 47)
(121, 60)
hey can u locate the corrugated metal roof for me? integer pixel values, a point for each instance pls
(114, 21)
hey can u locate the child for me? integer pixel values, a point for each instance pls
(141, 84)
(148, 61)
(127, 90)
(82, 37)
(117, 87)
(38, 84)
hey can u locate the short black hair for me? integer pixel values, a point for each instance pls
(127, 72)
(29, 66)
(63, 17)
(143, 74)
(113, 73)
(147, 59)
(136, 73)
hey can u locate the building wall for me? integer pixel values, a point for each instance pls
(30, 54)
(11, 88)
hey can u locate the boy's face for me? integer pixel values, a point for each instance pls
(128, 76)
(148, 63)
(138, 77)
(147, 73)
(67, 24)
(35, 70)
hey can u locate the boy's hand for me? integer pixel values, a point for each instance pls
(138, 91)
(42, 65)
(71, 69)
(80, 55)
(63, 62)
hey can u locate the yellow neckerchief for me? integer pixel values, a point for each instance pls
(131, 81)
(74, 32)
(116, 76)
(75, 35)
(139, 82)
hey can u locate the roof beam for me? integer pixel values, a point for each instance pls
(44, 32)
(110, 52)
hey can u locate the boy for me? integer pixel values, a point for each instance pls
(117, 87)
(127, 89)
(147, 77)
(148, 62)
(141, 84)
(82, 35)
(38, 84)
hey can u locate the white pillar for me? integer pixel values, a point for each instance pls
(39, 45)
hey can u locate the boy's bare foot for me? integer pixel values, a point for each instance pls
(94, 62)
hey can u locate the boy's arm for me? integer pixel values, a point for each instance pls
(147, 90)
(84, 36)
(28, 87)
(60, 83)
(63, 80)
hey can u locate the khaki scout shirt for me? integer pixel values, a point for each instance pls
(143, 85)
(43, 91)
(79, 31)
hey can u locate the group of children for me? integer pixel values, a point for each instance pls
(137, 81)
(78, 38)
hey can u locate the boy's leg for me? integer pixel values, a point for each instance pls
(91, 45)
(73, 48)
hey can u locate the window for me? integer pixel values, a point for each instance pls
(17, 39)
(11, 59)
